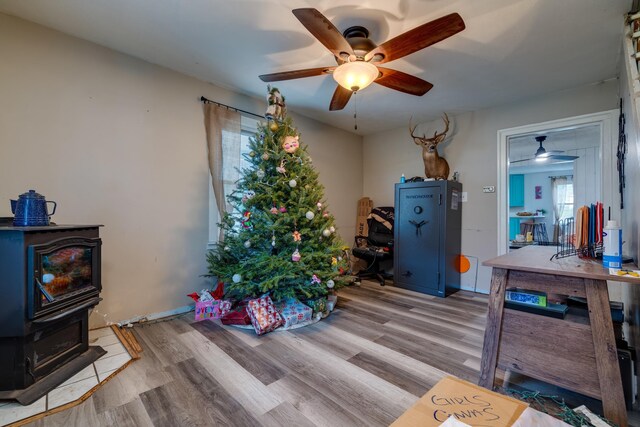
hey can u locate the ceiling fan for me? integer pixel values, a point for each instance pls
(542, 154)
(358, 56)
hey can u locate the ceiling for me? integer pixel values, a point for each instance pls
(510, 50)
(567, 140)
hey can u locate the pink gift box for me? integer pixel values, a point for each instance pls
(264, 316)
(211, 309)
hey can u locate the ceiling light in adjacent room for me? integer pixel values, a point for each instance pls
(355, 75)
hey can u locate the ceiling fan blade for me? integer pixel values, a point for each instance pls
(297, 74)
(340, 98)
(562, 157)
(322, 29)
(418, 38)
(521, 160)
(403, 82)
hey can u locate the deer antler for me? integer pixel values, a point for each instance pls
(438, 137)
(416, 139)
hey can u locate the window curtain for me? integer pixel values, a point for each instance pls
(558, 197)
(223, 129)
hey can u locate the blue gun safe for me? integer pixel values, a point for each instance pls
(427, 231)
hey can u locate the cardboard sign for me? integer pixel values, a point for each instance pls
(465, 402)
(365, 205)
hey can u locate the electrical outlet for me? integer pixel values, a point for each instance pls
(464, 196)
(489, 189)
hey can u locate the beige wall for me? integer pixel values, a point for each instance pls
(471, 150)
(120, 142)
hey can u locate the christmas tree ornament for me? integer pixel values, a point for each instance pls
(319, 205)
(315, 280)
(296, 236)
(281, 169)
(332, 229)
(247, 244)
(326, 232)
(265, 156)
(334, 261)
(274, 210)
(330, 284)
(283, 209)
(339, 258)
(276, 109)
(293, 183)
(310, 215)
(236, 278)
(273, 239)
(291, 144)
(273, 126)
(295, 257)
(260, 173)
(252, 154)
(250, 194)
(246, 220)
(227, 248)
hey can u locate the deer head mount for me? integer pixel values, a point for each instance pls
(434, 166)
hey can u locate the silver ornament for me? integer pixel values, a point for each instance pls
(330, 284)
(247, 244)
(292, 183)
(260, 173)
(236, 278)
(310, 215)
(326, 232)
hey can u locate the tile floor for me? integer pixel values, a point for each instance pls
(75, 387)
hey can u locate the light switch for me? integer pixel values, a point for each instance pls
(464, 196)
(489, 189)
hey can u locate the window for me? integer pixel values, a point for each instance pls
(563, 197)
(234, 161)
(567, 204)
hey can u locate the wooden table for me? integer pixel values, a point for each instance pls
(579, 356)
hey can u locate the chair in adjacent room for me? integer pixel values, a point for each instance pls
(376, 249)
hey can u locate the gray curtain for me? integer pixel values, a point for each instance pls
(223, 130)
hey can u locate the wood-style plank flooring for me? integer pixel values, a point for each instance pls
(378, 352)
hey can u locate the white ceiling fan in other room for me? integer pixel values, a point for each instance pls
(543, 155)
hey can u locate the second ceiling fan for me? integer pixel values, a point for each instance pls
(358, 56)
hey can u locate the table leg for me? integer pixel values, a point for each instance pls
(604, 344)
(493, 329)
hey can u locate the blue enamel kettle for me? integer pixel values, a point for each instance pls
(31, 210)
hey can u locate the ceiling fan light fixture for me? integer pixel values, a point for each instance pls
(355, 75)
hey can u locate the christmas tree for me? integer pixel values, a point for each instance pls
(279, 237)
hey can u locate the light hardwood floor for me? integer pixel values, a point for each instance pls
(378, 352)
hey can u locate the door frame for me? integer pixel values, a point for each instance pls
(606, 120)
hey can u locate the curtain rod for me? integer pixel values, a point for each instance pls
(561, 176)
(208, 101)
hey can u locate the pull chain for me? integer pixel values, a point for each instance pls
(355, 111)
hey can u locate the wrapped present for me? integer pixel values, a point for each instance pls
(319, 305)
(293, 312)
(332, 300)
(211, 309)
(205, 310)
(264, 316)
(237, 316)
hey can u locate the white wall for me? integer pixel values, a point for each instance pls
(120, 142)
(471, 149)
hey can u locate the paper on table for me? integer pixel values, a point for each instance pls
(452, 422)
(624, 272)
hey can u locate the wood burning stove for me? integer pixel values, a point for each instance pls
(49, 279)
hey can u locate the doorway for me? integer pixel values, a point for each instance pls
(582, 146)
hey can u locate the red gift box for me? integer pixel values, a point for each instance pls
(238, 316)
(264, 316)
